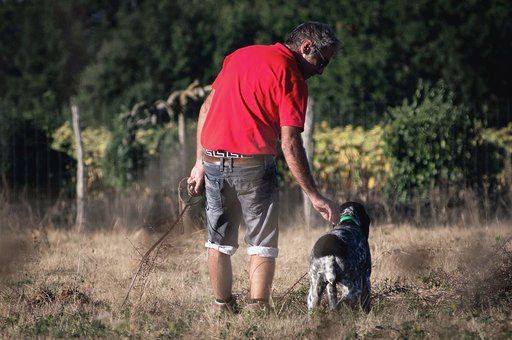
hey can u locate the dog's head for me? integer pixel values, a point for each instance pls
(357, 213)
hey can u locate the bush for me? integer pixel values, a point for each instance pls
(350, 159)
(116, 159)
(430, 142)
(131, 149)
(501, 140)
(433, 143)
(95, 142)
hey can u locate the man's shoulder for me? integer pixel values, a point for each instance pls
(274, 48)
(277, 54)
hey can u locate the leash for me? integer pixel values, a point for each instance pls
(188, 203)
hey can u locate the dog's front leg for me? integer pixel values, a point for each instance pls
(366, 298)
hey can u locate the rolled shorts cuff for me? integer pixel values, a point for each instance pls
(263, 251)
(228, 250)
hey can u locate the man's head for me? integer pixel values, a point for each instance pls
(314, 44)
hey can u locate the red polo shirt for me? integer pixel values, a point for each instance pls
(259, 89)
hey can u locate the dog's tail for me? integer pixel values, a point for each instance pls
(330, 277)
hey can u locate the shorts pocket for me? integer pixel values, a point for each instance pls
(213, 188)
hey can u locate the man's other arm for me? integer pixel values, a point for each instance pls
(196, 180)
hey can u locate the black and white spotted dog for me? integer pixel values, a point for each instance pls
(342, 258)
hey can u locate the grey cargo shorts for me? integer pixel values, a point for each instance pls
(247, 195)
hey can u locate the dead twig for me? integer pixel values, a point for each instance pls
(135, 248)
(288, 291)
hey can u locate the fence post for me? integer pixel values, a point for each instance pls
(309, 146)
(80, 181)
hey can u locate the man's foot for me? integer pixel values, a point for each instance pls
(225, 307)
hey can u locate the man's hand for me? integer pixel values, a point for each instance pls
(195, 183)
(327, 208)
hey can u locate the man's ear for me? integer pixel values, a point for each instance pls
(306, 47)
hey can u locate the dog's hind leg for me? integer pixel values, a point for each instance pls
(330, 277)
(316, 289)
(332, 295)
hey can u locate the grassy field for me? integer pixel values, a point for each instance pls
(441, 282)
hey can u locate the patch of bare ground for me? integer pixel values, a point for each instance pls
(442, 282)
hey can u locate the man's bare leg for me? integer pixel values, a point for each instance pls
(261, 275)
(221, 276)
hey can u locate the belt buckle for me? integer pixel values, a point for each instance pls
(225, 154)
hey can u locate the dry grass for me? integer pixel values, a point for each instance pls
(438, 282)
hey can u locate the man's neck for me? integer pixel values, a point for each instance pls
(299, 60)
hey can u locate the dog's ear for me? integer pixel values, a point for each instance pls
(364, 219)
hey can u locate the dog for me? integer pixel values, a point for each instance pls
(342, 257)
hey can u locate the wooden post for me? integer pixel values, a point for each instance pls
(182, 138)
(80, 181)
(309, 146)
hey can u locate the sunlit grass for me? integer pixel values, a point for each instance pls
(429, 282)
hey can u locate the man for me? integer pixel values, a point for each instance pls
(259, 97)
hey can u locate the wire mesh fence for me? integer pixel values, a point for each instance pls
(40, 178)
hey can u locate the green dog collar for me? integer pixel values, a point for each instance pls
(344, 218)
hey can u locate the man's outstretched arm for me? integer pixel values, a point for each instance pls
(295, 155)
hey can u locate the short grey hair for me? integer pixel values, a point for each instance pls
(320, 34)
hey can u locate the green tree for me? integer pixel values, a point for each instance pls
(157, 47)
(390, 45)
(431, 142)
(44, 46)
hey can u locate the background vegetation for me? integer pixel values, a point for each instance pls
(417, 102)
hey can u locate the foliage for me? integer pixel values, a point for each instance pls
(350, 159)
(390, 45)
(387, 46)
(128, 151)
(501, 139)
(95, 142)
(430, 142)
(132, 147)
(116, 54)
(111, 55)
(441, 151)
(156, 48)
(44, 46)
